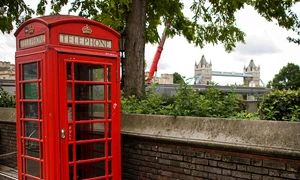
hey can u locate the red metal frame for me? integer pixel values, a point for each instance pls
(156, 58)
(51, 57)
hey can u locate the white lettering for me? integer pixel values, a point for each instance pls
(85, 41)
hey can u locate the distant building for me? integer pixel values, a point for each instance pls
(255, 71)
(203, 71)
(164, 79)
(7, 70)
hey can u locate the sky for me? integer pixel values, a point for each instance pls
(266, 44)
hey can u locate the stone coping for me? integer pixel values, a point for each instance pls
(275, 138)
(8, 115)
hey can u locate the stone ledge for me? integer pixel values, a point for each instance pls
(8, 115)
(274, 138)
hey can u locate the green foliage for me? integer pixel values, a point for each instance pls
(177, 78)
(287, 78)
(13, 11)
(5, 99)
(281, 105)
(186, 102)
(246, 115)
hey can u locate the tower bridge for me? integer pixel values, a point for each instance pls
(203, 73)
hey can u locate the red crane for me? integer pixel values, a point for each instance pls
(156, 58)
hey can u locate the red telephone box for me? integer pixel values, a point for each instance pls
(68, 99)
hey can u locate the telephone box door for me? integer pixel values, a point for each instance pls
(87, 113)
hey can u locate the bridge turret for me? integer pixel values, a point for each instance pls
(204, 69)
(255, 71)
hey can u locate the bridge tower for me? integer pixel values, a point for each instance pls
(203, 71)
(255, 71)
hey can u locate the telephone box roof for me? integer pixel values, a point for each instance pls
(54, 20)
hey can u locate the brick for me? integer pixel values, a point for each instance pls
(175, 169)
(183, 176)
(187, 165)
(187, 159)
(241, 167)
(188, 152)
(258, 170)
(213, 170)
(257, 177)
(200, 154)
(220, 177)
(272, 178)
(199, 167)
(227, 165)
(226, 158)
(213, 156)
(165, 173)
(226, 172)
(256, 162)
(186, 171)
(213, 163)
(176, 157)
(165, 149)
(292, 167)
(274, 164)
(164, 161)
(212, 176)
(200, 161)
(239, 174)
(199, 174)
(241, 160)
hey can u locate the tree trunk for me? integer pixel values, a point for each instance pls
(134, 81)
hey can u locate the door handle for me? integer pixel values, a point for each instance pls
(63, 134)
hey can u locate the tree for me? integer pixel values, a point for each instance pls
(213, 22)
(177, 78)
(287, 78)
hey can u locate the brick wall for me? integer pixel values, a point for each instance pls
(8, 144)
(148, 158)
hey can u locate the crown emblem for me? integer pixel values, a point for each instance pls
(86, 30)
(29, 29)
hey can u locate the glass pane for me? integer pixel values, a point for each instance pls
(89, 111)
(108, 75)
(109, 167)
(71, 153)
(90, 131)
(21, 91)
(32, 167)
(71, 172)
(31, 130)
(70, 113)
(108, 92)
(89, 92)
(90, 150)
(21, 110)
(31, 110)
(39, 70)
(69, 91)
(69, 71)
(89, 72)
(41, 110)
(40, 90)
(32, 149)
(109, 111)
(29, 71)
(31, 90)
(89, 170)
(109, 130)
(109, 148)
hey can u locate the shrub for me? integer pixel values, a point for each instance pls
(5, 99)
(186, 102)
(281, 105)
